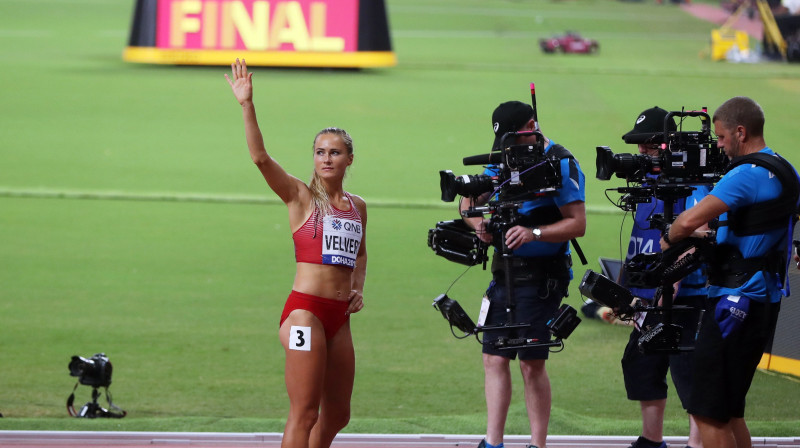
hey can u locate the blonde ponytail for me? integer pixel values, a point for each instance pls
(322, 201)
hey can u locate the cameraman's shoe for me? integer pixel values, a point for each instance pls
(642, 442)
(483, 444)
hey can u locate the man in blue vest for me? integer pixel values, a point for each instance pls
(748, 275)
(646, 374)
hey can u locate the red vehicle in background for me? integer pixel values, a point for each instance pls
(571, 42)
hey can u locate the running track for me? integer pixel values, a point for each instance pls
(64, 439)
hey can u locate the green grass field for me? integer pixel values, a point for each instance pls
(132, 221)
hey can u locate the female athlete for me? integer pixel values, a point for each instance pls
(328, 227)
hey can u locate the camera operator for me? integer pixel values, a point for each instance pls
(646, 374)
(747, 274)
(541, 273)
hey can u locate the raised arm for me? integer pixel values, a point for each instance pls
(286, 186)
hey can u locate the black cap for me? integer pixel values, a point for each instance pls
(510, 116)
(649, 127)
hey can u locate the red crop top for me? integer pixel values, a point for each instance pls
(335, 239)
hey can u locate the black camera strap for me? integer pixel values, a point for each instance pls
(71, 400)
(560, 152)
(768, 215)
(579, 251)
(771, 214)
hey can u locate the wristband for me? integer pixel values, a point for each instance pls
(666, 234)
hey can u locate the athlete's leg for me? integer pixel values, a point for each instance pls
(335, 404)
(303, 339)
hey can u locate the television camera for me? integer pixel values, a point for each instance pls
(95, 372)
(685, 156)
(521, 173)
(685, 159)
(516, 173)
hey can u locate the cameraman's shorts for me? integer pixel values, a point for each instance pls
(646, 374)
(535, 305)
(724, 368)
(331, 313)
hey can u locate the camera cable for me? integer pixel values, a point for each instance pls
(466, 335)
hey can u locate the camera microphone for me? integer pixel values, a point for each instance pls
(484, 159)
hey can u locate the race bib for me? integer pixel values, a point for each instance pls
(341, 240)
(300, 338)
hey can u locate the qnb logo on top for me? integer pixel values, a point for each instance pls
(336, 224)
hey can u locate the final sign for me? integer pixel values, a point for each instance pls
(307, 33)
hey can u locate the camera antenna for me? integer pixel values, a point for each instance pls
(535, 110)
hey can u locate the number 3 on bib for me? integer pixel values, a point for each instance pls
(300, 338)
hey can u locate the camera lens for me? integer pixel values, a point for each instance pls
(464, 185)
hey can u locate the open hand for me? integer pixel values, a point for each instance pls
(242, 84)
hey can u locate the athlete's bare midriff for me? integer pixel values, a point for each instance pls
(329, 281)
